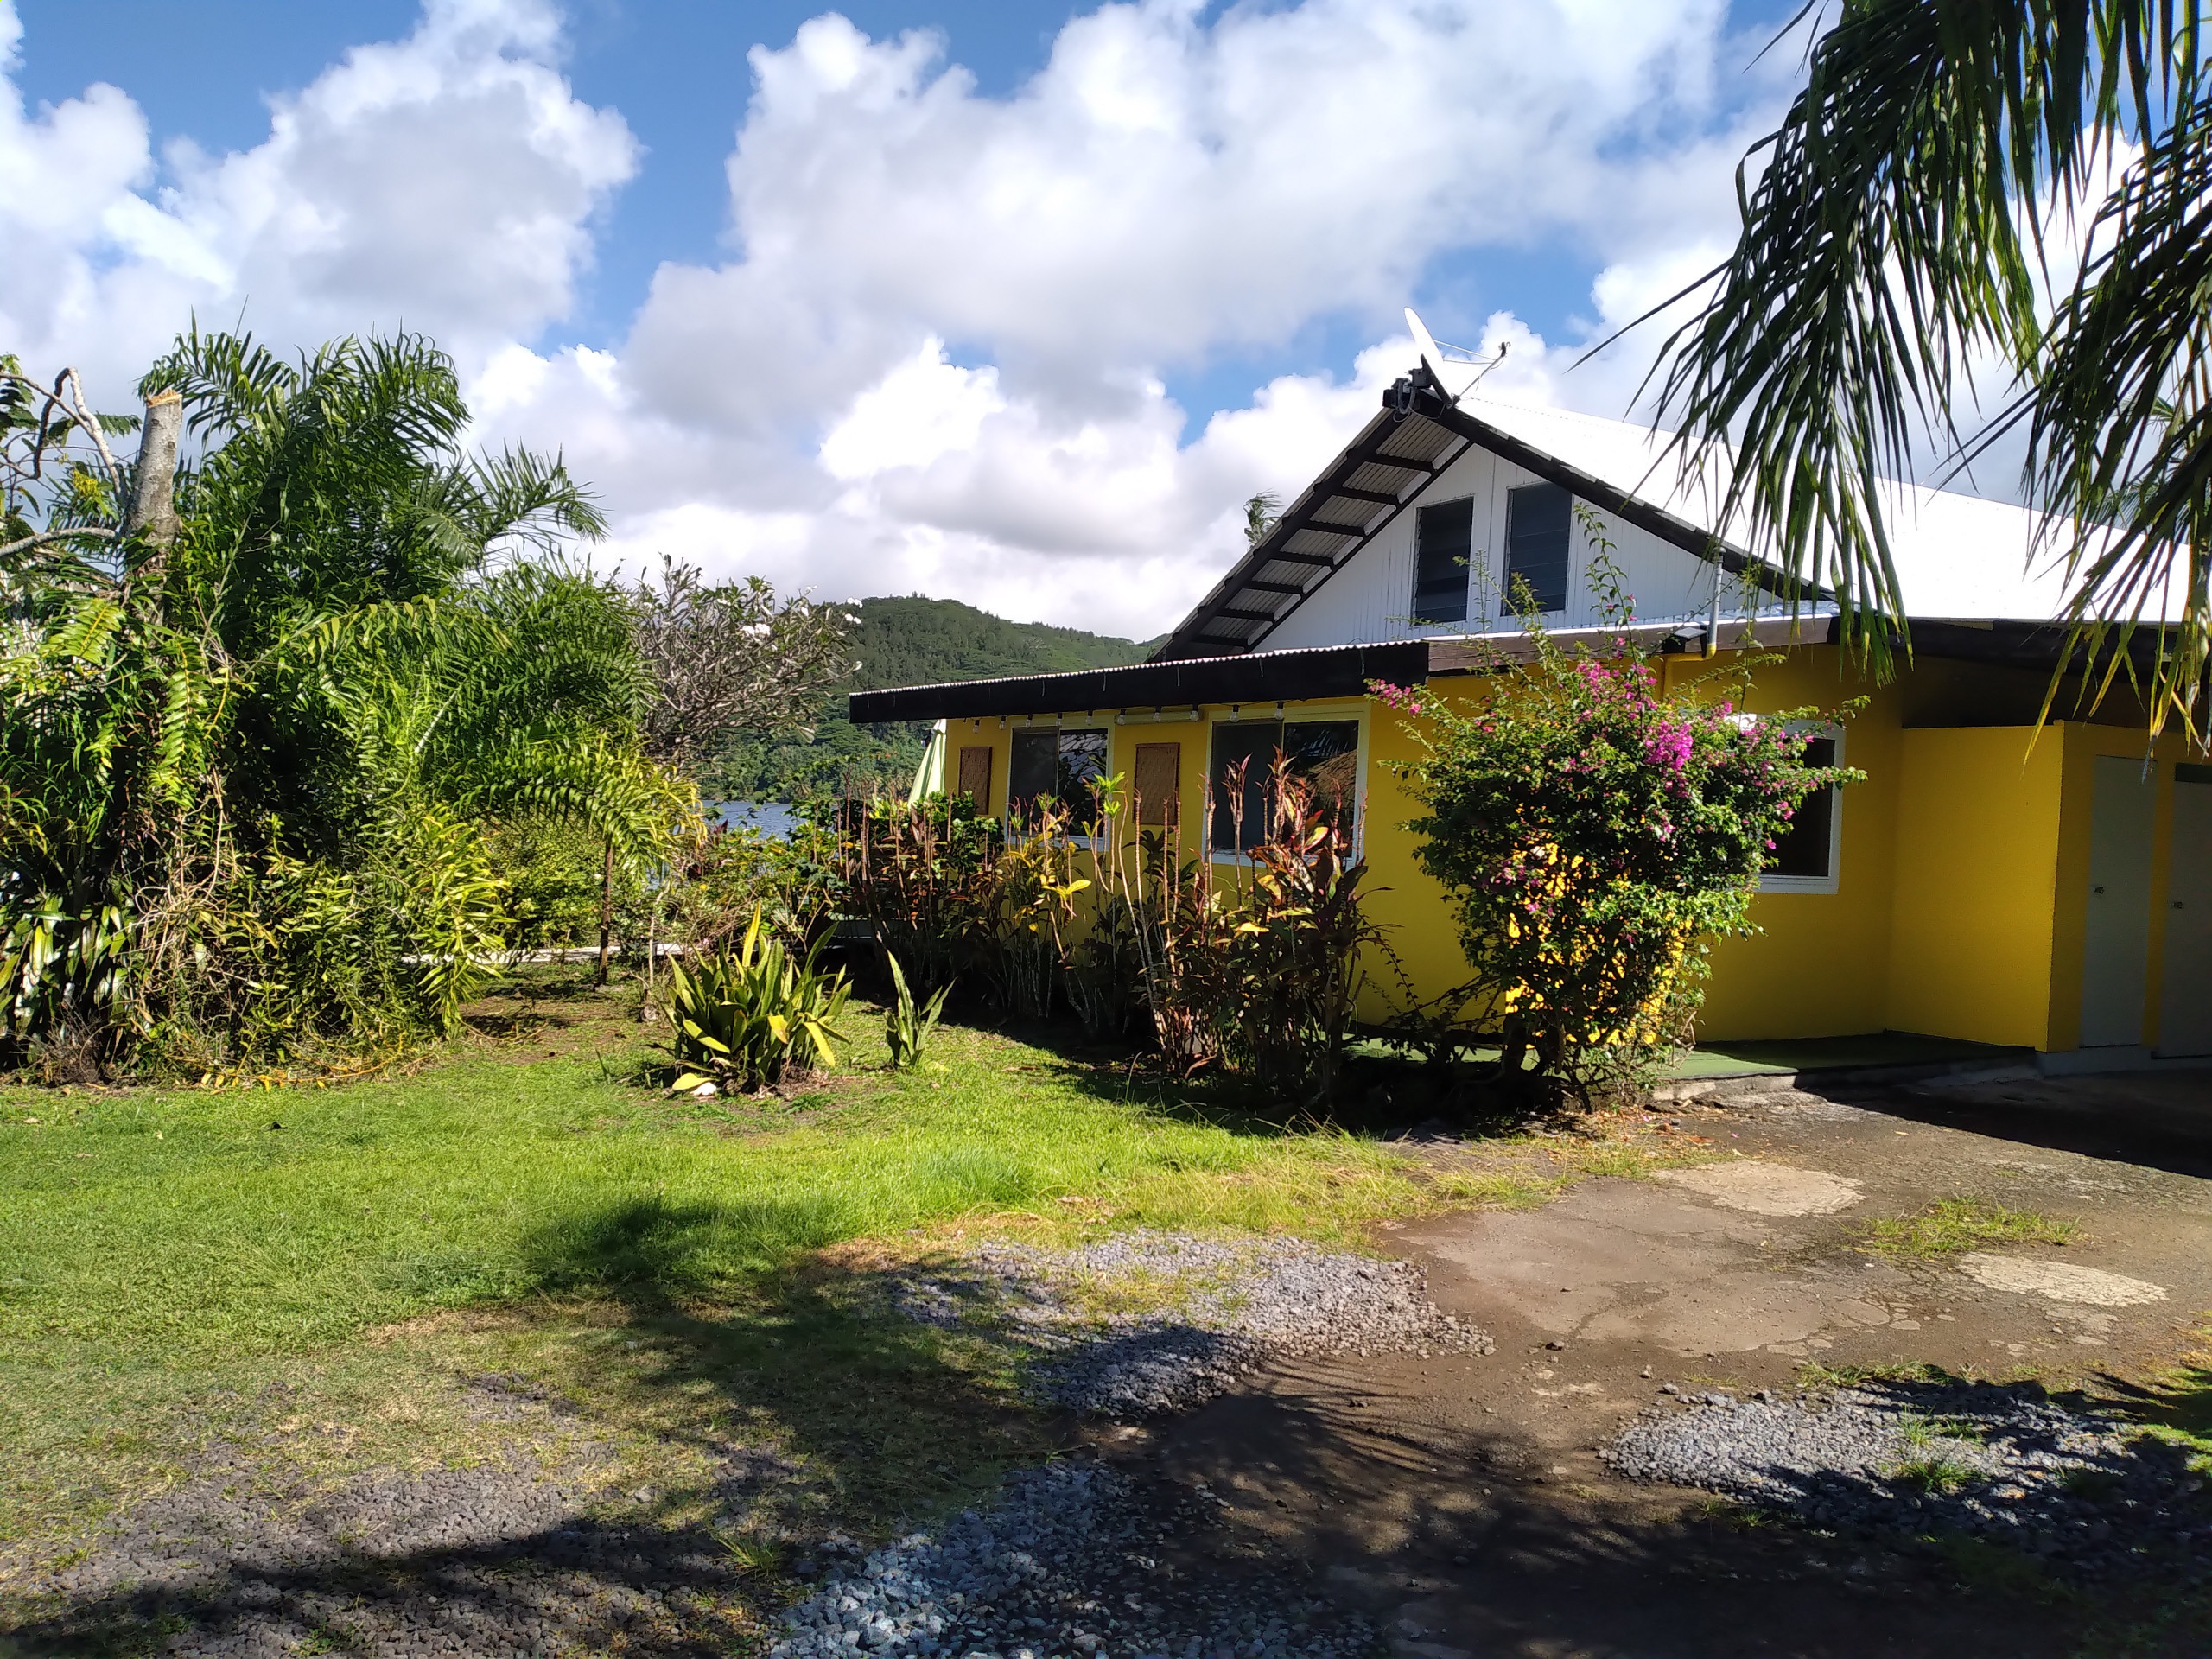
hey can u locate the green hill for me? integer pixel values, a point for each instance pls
(903, 641)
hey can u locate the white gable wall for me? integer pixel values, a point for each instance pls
(1372, 597)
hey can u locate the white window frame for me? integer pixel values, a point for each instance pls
(1292, 715)
(1770, 882)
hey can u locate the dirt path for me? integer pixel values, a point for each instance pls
(1459, 1497)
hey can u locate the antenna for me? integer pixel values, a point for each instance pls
(1435, 357)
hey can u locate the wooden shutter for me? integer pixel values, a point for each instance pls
(1160, 782)
(976, 774)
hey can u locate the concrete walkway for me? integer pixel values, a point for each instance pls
(1461, 1498)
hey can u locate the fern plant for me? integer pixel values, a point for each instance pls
(743, 1018)
(906, 1028)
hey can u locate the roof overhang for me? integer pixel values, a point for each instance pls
(1333, 671)
(1255, 676)
(1418, 433)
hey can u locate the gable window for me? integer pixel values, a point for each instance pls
(1323, 753)
(1055, 762)
(1536, 521)
(1444, 539)
(1807, 855)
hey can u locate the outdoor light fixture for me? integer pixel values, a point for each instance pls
(1156, 717)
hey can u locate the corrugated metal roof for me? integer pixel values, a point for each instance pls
(1955, 555)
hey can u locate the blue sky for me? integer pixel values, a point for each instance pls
(1018, 318)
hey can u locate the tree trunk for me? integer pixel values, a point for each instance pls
(152, 512)
(606, 910)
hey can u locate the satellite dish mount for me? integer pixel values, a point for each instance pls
(1435, 358)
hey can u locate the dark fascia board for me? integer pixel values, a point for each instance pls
(1480, 653)
(1181, 682)
(1188, 638)
(2018, 644)
(2005, 643)
(1267, 677)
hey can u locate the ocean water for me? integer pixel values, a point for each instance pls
(772, 818)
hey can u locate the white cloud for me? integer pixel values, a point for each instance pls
(941, 334)
(935, 356)
(446, 182)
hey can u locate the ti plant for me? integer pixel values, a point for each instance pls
(742, 1018)
(905, 1028)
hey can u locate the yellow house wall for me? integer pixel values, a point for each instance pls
(1423, 930)
(1977, 842)
(1962, 877)
(1819, 965)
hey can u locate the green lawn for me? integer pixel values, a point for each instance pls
(315, 1274)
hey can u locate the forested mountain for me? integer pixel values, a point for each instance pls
(904, 641)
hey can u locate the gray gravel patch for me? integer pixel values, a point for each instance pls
(2085, 1493)
(507, 1557)
(1065, 1563)
(1212, 1310)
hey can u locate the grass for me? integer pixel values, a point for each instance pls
(1952, 1226)
(1920, 1432)
(324, 1277)
(1934, 1474)
(1812, 1374)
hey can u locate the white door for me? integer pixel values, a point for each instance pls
(2116, 950)
(2185, 1005)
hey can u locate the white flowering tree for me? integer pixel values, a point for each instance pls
(734, 659)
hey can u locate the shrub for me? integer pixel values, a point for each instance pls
(1039, 913)
(1255, 972)
(742, 1018)
(1258, 972)
(926, 876)
(1592, 835)
(723, 877)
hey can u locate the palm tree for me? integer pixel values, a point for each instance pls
(247, 758)
(1921, 204)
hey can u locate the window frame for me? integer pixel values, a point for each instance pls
(1505, 571)
(1060, 729)
(1465, 562)
(1770, 881)
(1333, 712)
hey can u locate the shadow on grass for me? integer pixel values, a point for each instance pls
(734, 1312)
(1373, 1096)
(777, 1398)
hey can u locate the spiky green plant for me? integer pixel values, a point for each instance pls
(906, 1028)
(743, 1017)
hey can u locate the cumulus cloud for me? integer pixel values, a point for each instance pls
(936, 356)
(446, 182)
(940, 338)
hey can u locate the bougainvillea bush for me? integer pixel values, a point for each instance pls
(1593, 835)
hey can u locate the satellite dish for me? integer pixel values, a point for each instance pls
(1436, 357)
(1425, 343)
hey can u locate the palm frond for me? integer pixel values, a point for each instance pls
(1897, 223)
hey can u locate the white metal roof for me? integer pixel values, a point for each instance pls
(1956, 555)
